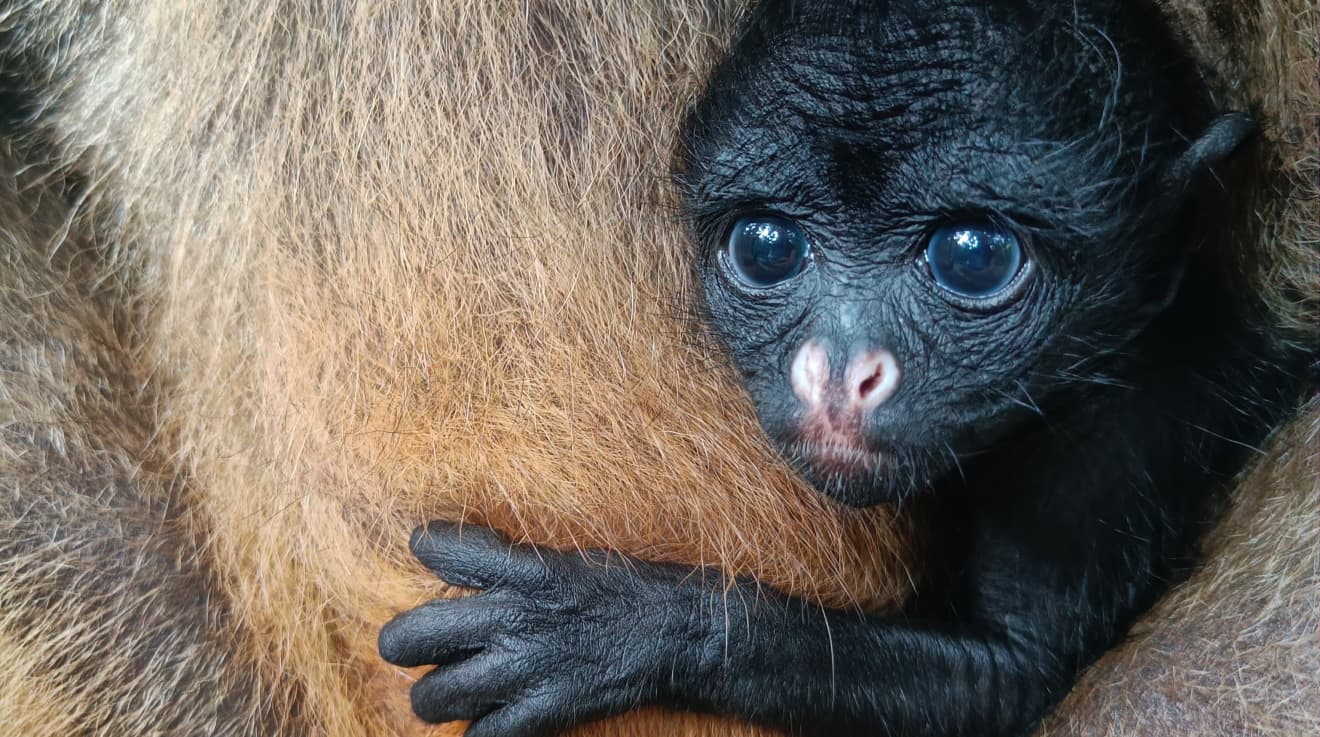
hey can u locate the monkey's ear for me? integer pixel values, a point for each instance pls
(1221, 139)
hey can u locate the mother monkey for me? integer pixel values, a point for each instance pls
(282, 280)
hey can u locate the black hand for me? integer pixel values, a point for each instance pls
(552, 640)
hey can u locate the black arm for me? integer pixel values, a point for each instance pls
(1058, 541)
(1054, 568)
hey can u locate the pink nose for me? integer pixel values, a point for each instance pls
(870, 379)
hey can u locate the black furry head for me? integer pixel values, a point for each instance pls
(875, 133)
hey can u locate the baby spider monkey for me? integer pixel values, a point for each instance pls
(951, 250)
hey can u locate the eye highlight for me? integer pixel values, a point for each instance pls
(766, 249)
(973, 260)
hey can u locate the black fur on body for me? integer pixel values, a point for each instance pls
(1072, 434)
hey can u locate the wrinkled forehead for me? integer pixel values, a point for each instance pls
(878, 84)
(893, 68)
(900, 109)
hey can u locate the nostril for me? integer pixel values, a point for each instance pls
(868, 385)
(876, 376)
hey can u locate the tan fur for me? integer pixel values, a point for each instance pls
(389, 262)
(477, 314)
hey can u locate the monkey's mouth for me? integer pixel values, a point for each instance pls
(848, 471)
(836, 458)
(832, 444)
(833, 452)
(829, 457)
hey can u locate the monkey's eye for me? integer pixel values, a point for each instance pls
(973, 260)
(765, 250)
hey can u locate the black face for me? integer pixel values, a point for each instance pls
(920, 224)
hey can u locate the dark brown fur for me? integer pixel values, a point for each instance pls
(106, 602)
(282, 280)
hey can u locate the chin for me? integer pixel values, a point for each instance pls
(862, 477)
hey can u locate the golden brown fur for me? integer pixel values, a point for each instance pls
(347, 267)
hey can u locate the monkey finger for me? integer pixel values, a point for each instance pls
(473, 556)
(440, 631)
(467, 690)
(523, 718)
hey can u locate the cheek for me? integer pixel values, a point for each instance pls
(756, 329)
(957, 362)
(759, 348)
(776, 408)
